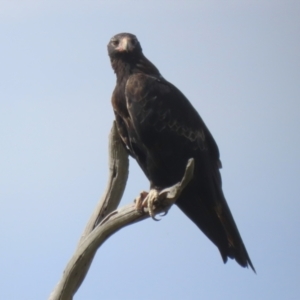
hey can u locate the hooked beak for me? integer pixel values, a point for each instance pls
(125, 45)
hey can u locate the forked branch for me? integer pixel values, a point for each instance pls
(109, 220)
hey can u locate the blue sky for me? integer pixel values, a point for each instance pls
(238, 63)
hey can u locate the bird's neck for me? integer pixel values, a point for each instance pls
(124, 68)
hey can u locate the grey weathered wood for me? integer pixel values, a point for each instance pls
(118, 174)
(111, 222)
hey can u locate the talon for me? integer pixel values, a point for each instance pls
(164, 213)
(149, 202)
(146, 202)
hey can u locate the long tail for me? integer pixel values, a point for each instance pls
(208, 209)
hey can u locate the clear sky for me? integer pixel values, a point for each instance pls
(238, 62)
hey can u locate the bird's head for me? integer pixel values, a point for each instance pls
(127, 57)
(123, 45)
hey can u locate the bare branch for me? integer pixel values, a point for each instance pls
(118, 174)
(79, 264)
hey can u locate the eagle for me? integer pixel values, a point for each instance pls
(161, 130)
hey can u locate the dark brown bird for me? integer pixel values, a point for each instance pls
(162, 130)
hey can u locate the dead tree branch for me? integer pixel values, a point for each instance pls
(110, 221)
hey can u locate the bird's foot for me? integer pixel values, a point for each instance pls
(147, 200)
(160, 201)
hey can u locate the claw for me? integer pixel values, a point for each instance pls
(164, 213)
(149, 202)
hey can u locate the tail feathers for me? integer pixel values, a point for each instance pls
(239, 253)
(215, 220)
(234, 248)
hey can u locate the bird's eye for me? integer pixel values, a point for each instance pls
(115, 42)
